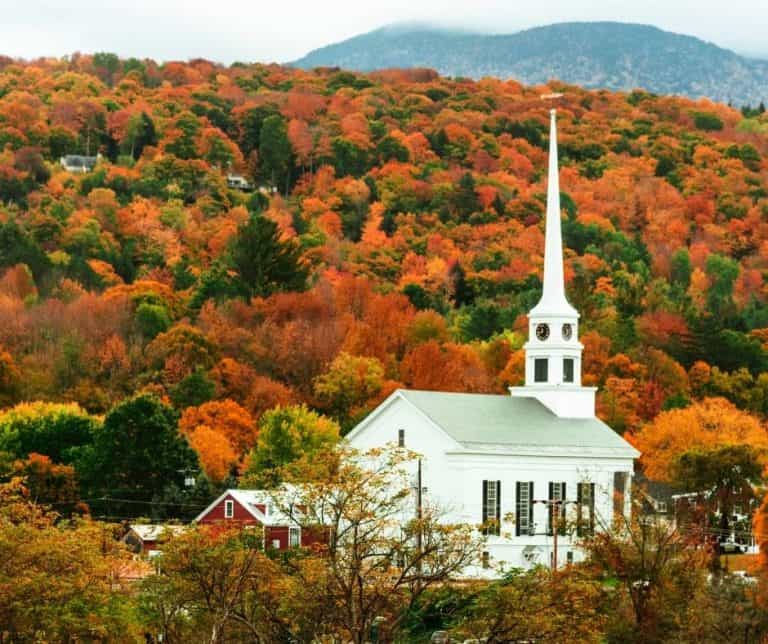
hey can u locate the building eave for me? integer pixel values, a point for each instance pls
(544, 451)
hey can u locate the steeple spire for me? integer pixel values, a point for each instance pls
(553, 301)
(553, 350)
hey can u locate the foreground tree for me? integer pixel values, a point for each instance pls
(214, 586)
(656, 572)
(380, 552)
(59, 583)
(724, 476)
(537, 606)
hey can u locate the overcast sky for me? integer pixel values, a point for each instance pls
(283, 30)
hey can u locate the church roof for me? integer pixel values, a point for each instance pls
(501, 423)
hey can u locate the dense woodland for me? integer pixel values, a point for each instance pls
(157, 326)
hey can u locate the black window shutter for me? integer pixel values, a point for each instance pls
(591, 508)
(550, 507)
(518, 509)
(497, 527)
(579, 487)
(485, 501)
(563, 506)
(530, 507)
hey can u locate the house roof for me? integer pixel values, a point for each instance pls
(79, 159)
(250, 499)
(487, 422)
(152, 531)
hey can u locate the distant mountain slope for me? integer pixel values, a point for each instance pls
(591, 54)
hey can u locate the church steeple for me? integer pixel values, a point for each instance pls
(553, 350)
(553, 301)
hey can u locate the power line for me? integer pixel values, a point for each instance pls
(134, 501)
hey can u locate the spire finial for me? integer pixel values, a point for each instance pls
(553, 301)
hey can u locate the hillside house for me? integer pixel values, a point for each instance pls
(147, 538)
(79, 164)
(252, 509)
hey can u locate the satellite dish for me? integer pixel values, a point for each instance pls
(532, 553)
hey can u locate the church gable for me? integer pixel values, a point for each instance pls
(398, 421)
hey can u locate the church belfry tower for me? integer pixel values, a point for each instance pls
(553, 351)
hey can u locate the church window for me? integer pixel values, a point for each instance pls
(401, 438)
(491, 507)
(542, 331)
(524, 508)
(567, 369)
(620, 480)
(556, 504)
(541, 370)
(567, 331)
(486, 559)
(585, 509)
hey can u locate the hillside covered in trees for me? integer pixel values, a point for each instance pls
(610, 55)
(394, 238)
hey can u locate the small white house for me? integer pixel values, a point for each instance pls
(522, 465)
(79, 164)
(239, 182)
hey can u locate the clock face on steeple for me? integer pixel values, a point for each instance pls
(567, 331)
(542, 331)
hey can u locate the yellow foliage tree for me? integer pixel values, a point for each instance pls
(712, 422)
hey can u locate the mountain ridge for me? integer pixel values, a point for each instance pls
(610, 55)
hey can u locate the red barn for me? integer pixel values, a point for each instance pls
(250, 508)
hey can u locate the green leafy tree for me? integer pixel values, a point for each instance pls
(389, 148)
(681, 269)
(465, 200)
(722, 272)
(141, 133)
(726, 476)
(196, 389)
(707, 122)
(17, 246)
(264, 263)
(134, 456)
(107, 65)
(349, 382)
(461, 291)
(52, 429)
(286, 435)
(152, 319)
(275, 150)
(348, 159)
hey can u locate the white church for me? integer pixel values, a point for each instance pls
(533, 467)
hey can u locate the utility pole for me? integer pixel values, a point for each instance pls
(554, 506)
(555, 511)
(418, 519)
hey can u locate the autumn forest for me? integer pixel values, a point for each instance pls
(262, 254)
